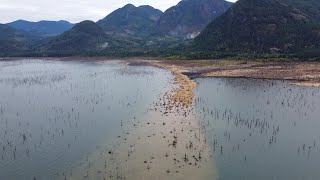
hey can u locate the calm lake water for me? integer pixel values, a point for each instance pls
(261, 129)
(54, 115)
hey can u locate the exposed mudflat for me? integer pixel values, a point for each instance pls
(302, 73)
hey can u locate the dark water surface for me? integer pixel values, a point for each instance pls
(53, 113)
(261, 129)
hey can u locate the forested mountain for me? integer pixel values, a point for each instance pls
(87, 38)
(189, 17)
(264, 26)
(42, 28)
(130, 20)
(245, 27)
(14, 41)
(84, 36)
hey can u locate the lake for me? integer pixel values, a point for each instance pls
(54, 113)
(261, 129)
(102, 120)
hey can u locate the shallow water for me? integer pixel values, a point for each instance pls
(53, 114)
(261, 129)
(78, 120)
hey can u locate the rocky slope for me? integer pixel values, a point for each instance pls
(189, 17)
(264, 26)
(130, 20)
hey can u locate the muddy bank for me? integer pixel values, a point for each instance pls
(301, 73)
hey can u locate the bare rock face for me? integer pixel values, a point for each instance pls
(190, 17)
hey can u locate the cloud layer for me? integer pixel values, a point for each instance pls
(71, 10)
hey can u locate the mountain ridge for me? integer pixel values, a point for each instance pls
(84, 36)
(42, 28)
(130, 20)
(13, 41)
(265, 26)
(189, 17)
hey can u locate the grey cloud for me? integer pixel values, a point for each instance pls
(71, 10)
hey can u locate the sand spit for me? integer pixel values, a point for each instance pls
(159, 146)
(165, 147)
(182, 92)
(168, 142)
(183, 95)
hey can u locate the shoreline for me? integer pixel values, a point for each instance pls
(167, 142)
(297, 73)
(172, 142)
(300, 73)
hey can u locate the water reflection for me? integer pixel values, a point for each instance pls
(260, 129)
(53, 113)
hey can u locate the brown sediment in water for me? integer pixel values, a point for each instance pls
(167, 143)
(170, 144)
(182, 94)
(166, 147)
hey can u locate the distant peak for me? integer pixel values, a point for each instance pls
(63, 21)
(41, 21)
(86, 22)
(88, 26)
(129, 6)
(145, 6)
(19, 21)
(150, 8)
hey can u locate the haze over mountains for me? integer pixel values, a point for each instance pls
(86, 37)
(218, 26)
(42, 28)
(127, 28)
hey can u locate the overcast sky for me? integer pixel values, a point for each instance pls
(71, 10)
